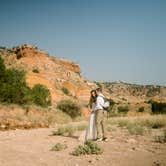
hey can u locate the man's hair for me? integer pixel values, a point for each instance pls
(99, 90)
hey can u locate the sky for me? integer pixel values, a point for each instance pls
(111, 40)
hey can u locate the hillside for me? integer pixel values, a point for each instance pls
(50, 71)
(60, 75)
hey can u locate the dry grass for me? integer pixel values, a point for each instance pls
(59, 147)
(150, 121)
(13, 116)
(139, 125)
(69, 130)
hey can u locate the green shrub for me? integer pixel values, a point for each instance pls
(41, 95)
(2, 68)
(68, 130)
(14, 93)
(155, 123)
(141, 109)
(13, 76)
(135, 129)
(59, 147)
(35, 70)
(60, 131)
(89, 148)
(65, 91)
(123, 123)
(69, 107)
(122, 110)
(65, 131)
(158, 107)
(13, 88)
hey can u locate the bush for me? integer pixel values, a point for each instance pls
(2, 68)
(13, 88)
(69, 107)
(68, 130)
(123, 123)
(141, 109)
(155, 123)
(14, 93)
(41, 95)
(89, 148)
(65, 131)
(158, 107)
(123, 110)
(135, 129)
(161, 138)
(59, 147)
(65, 91)
(35, 70)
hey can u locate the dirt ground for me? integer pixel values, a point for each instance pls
(32, 148)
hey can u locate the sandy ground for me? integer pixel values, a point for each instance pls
(32, 148)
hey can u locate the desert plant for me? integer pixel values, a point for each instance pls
(35, 70)
(41, 95)
(13, 88)
(123, 123)
(89, 147)
(69, 107)
(65, 131)
(141, 109)
(68, 130)
(2, 68)
(135, 129)
(155, 123)
(122, 110)
(161, 138)
(59, 131)
(65, 91)
(59, 147)
(158, 107)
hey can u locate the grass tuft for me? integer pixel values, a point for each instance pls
(68, 130)
(59, 147)
(88, 148)
(161, 138)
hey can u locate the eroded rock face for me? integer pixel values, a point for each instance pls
(50, 71)
(61, 74)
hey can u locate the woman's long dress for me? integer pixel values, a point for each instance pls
(91, 133)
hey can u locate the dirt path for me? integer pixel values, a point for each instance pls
(32, 148)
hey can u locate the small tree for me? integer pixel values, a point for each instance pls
(13, 87)
(41, 95)
(69, 107)
(65, 91)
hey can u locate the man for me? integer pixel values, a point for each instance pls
(100, 116)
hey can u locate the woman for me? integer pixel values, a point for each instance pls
(91, 132)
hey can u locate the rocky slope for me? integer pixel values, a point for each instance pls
(59, 74)
(50, 71)
(134, 97)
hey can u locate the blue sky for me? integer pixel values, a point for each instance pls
(111, 39)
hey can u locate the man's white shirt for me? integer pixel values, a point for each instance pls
(99, 102)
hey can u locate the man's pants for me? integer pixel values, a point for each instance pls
(100, 124)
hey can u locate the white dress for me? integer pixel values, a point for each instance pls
(91, 132)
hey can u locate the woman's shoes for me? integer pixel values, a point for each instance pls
(101, 139)
(105, 139)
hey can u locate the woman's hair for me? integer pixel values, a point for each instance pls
(92, 98)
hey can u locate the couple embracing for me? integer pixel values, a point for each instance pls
(96, 130)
